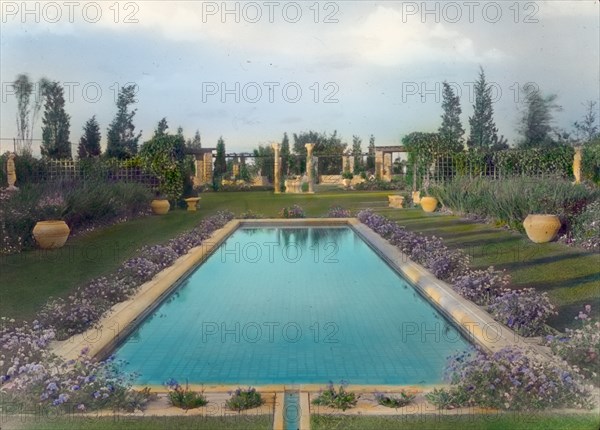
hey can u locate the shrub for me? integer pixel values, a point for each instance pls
(394, 401)
(482, 286)
(340, 399)
(242, 399)
(525, 311)
(294, 211)
(512, 378)
(585, 231)
(379, 185)
(338, 212)
(590, 161)
(184, 398)
(445, 398)
(250, 214)
(581, 346)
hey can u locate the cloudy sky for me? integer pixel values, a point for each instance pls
(252, 70)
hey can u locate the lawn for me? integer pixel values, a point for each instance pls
(502, 421)
(569, 275)
(241, 422)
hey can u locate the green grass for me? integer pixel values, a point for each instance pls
(452, 422)
(237, 422)
(569, 275)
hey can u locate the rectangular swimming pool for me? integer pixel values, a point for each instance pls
(292, 305)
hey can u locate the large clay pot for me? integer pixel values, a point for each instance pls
(541, 228)
(429, 204)
(192, 203)
(160, 206)
(51, 234)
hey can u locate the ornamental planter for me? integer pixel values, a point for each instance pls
(429, 204)
(541, 228)
(416, 197)
(396, 201)
(160, 206)
(192, 203)
(51, 234)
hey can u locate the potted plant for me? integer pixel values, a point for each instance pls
(428, 203)
(347, 178)
(51, 231)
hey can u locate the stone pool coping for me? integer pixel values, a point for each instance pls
(474, 322)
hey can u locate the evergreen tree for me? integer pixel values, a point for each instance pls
(285, 155)
(89, 144)
(161, 127)
(121, 140)
(56, 123)
(196, 143)
(451, 128)
(371, 154)
(536, 122)
(587, 129)
(357, 153)
(220, 162)
(484, 133)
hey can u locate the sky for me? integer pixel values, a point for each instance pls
(250, 71)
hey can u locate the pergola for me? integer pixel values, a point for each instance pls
(383, 161)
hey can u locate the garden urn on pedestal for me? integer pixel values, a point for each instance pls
(192, 203)
(541, 228)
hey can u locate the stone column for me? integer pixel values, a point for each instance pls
(309, 166)
(276, 168)
(577, 165)
(208, 168)
(387, 167)
(379, 164)
(236, 170)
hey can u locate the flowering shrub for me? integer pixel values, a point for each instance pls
(292, 212)
(337, 399)
(184, 398)
(580, 347)
(525, 311)
(585, 231)
(242, 399)
(161, 255)
(511, 378)
(481, 286)
(77, 385)
(250, 214)
(339, 212)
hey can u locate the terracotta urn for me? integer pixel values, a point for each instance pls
(51, 234)
(192, 203)
(541, 228)
(416, 197)
(160, 206)
(429, 204)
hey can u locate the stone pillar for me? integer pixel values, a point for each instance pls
(309, 166)
(198, 175)
(379, 164)
(208, 168)
(577, 165)
(236, 170)
(276, 168)
(387, 167)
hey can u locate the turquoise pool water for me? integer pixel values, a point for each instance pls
(292, 305)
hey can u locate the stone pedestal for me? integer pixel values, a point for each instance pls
(309, 166)
(396, 201)
(277, 168)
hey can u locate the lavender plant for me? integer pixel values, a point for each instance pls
(338, 212)
(294, 211)
(525, 311)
